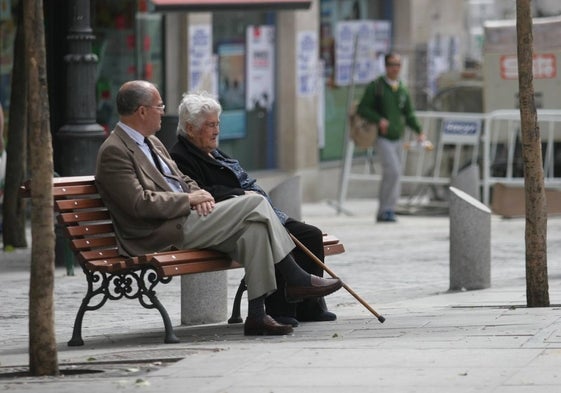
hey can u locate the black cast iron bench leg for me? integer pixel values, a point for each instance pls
(236, 315)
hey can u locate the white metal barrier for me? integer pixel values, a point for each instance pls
(502, 157)
(457, 138)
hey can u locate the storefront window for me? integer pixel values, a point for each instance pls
(247, 130)
(129, 46)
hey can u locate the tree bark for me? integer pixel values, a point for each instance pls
(42, 342)
(13, 209)
(537, 289)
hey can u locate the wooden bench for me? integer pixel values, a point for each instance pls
(87, 224)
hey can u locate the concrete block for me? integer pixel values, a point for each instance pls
(467, 180)
(204, 298)
(470, 242)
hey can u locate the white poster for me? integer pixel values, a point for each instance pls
(359, 45)
(201, 64)
(306, 63)
(260, 41)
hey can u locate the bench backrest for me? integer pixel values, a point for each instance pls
(87, 224)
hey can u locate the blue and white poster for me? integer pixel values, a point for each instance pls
(201, 64)
(306, 63)
(360, 46)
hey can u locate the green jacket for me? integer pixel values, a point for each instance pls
(380, 101)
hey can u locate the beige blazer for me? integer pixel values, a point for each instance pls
(148, 215)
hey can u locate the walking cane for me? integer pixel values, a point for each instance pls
(324, 267)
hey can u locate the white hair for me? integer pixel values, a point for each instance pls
(193, 109)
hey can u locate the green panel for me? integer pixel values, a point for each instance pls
(335, 118)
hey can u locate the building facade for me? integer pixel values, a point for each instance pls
(273, 67)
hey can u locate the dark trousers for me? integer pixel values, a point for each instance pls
(312, 238)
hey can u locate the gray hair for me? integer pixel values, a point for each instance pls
(133, 94)
(193, 109)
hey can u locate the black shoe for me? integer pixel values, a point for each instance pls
(387, 216)
(323, 316)
(284, 320)
(265, 327)
(319, 287)
(314, 310)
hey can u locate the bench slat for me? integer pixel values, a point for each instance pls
(73, 180)
(77, 217)
(333, 249)
(193, 267)
(187, 258)
(109, 265)
(329, 239)
(84, 189)
(91, 255)
(90, 230)
(93, 243)
(192, 253)
(65, 205)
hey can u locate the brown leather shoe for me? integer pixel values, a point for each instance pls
(318, 287)
(265, 327)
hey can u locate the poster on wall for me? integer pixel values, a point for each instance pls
(260, 63)
(231, 89)
(201, 68)
(360, 45)
(443, 56)
(306, 63)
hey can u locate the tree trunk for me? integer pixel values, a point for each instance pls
(13, 210)
(42, 342)
(537, 290)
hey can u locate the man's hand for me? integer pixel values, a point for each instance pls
(202, 202)
(383, 126)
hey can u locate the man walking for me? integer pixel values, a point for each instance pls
(387, 103)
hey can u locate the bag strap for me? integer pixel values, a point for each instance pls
(378, 92)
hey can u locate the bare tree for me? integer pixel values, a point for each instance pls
(42, 342)
(13, 209)
(537, 289)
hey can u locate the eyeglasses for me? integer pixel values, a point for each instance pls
(393, 64)
(160, 107)
(215, 124)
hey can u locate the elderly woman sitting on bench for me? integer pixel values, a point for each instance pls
(197, 155)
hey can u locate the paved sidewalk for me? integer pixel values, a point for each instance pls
(432, 341)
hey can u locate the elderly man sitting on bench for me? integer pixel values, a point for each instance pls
(155, 207)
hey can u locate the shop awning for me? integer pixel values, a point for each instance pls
(221, 5)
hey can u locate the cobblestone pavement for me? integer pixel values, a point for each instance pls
(432, 341)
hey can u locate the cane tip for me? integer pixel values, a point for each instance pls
(381, 319)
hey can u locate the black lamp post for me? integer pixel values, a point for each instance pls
(79, 139)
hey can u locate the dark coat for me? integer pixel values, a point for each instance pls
(209, 174)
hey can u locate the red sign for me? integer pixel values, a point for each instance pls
(544, 66)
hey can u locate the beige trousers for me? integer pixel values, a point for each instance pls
(248, 230)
